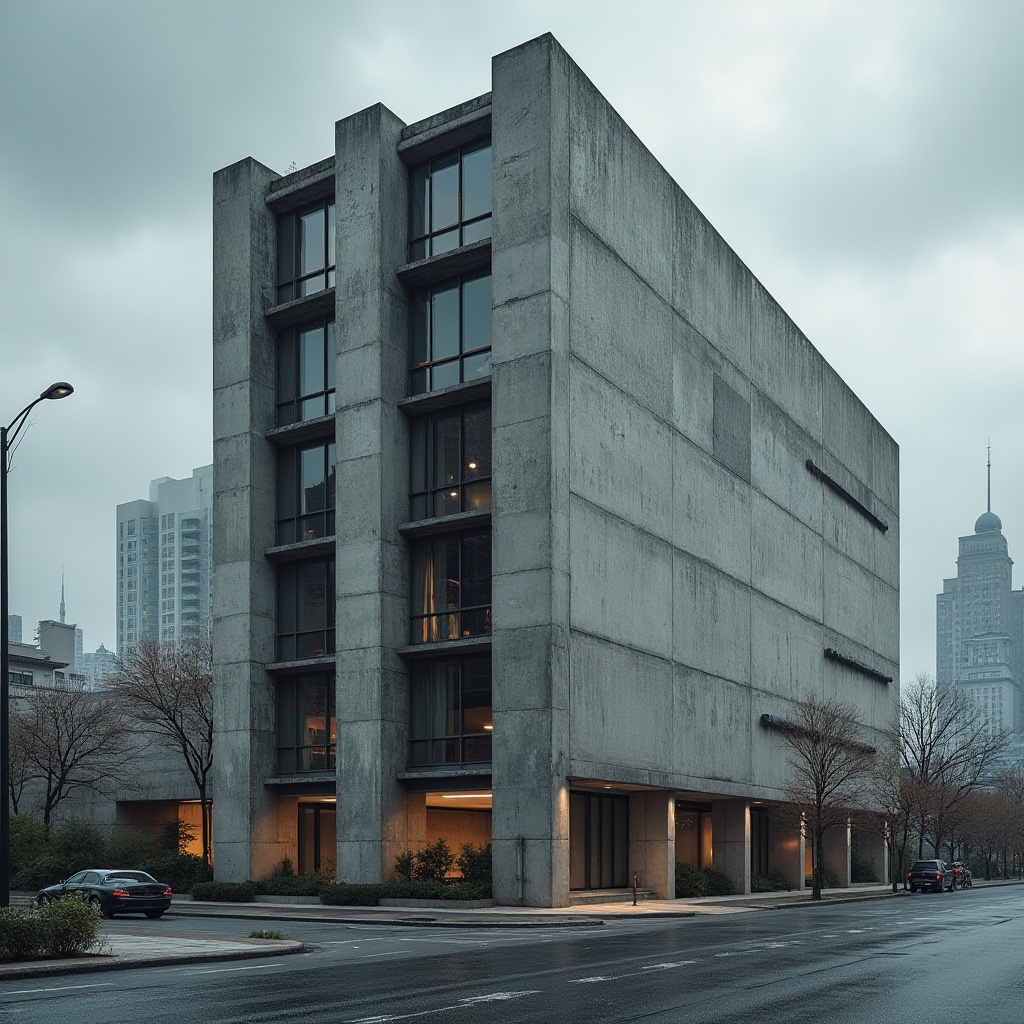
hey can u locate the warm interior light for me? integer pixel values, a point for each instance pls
(453, 494)
(472, 465)
(465, 796)
(488, 728)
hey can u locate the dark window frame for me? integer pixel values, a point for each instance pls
(424, 372)
(429, 621)
(292, 279)
(429, 239)
(469, 488)
(300, 752)
(295, 643)
(456, 742)
(292, 403)
(305, 525)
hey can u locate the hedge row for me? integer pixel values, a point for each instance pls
(691, 883)
(341, 894)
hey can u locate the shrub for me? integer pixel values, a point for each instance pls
(434, 861)
(128, 847)
(774, 881)
(287, 871)
(718, 884)
(176, 836)
(859, 871)
(265, 933)
(830, 881)
(70, 926)
(435, 889)
(78, 845)
(28, 841)
(475, 863)
(290, 885)
(345, 894)
(404, 863)
(21, 934)
(181, 871)
(224, 892)
(690, 883)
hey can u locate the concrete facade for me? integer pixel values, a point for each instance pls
(687, 508)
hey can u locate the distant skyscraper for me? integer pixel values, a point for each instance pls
(164, 561)
(980, 628)
(14, 627)
(97, 667)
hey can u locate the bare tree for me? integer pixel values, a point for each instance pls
(19, 768)
(830, 764)
(170, 687)
(71, 740)
(896, 798)
(947, 746)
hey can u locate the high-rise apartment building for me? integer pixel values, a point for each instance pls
(980, 629)
(164, 561)
(535, 514)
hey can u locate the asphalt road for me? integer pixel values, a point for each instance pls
(947, 957)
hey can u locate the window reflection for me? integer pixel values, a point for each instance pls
(305, 492)
(306, 723)
(450, 201)
(305, 372)
(305, 251)
(450, 712)
(450, 462)
(451, 595)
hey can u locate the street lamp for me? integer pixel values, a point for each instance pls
(8, 435)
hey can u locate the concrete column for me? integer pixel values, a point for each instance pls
(652, 841)
(836, 843)
(371, 189)
(730, 829)
(246, 834)
(786, 852)
(530, 138)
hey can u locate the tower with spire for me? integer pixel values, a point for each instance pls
(980, 625)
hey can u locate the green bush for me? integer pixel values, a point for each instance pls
(475, 862)
(22, 935)
(433, 862)
(774, 881)
(181, 871)
(345, 894)
(830, 881)
(691, 883)
(290, 885)
(68, 848)
(265, 933)
(70, 926)
(404, 864)
(128, 847)
(434, 889)
(28, 841)
(224, 892)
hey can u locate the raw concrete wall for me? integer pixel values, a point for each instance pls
(246, 829)
(531, 555)
(374, 824)
(709, 567)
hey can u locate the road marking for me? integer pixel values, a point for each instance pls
(667, 967)
(597, 978)
(227, 970)
(499, 997)
(392, 952)
(61, 988)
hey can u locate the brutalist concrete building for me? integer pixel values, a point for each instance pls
(530, 502)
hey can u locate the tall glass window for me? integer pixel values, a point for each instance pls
(450, 461)
(306, 724)
(305, 609)
(450, 201)
(450, 712)
(451, 587)
(451, 333)
(305, 372)
(305, 492)
(305, 251)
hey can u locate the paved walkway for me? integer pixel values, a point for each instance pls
(123, 951)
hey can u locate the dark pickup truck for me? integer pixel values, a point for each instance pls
(936, 875)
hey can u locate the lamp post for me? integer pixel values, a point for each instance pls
(8, 435)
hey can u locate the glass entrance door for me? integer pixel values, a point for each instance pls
(318, 848)
(598, 841)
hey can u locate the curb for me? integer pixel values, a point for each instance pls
(101, 962)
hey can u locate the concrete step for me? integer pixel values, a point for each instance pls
(586, 898)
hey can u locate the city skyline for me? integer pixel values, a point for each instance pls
(864, 164)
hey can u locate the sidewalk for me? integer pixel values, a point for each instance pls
(124, 951)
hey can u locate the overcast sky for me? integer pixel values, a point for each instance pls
(865, 159)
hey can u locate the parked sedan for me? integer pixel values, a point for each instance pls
(113, 892)
(936, 875)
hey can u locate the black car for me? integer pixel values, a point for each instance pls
(936, 875)
(113, 892)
